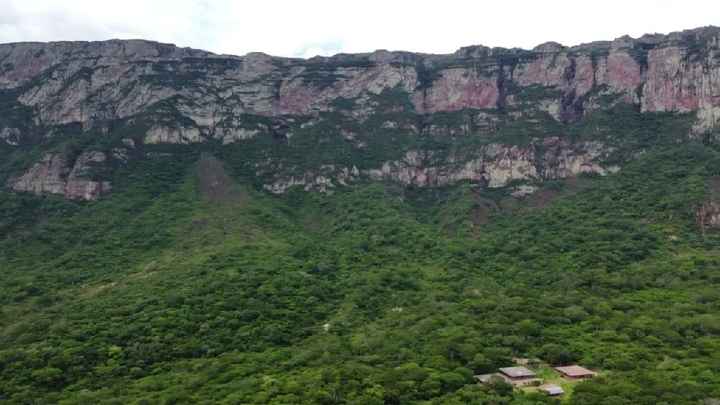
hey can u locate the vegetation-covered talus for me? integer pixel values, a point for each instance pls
(187, 285)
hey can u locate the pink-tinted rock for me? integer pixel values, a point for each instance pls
(623, 72)
(457, 89)
(98, 82)
(576, 73)
(53, 175)
(79, 186)
(548, 70)
(46, 176)
(671, 82)
(296, 97)
(584, 78)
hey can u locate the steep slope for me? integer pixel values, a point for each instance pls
(166, 293)
(122, 94)
(158, 243)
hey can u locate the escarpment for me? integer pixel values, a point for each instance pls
(486, 115)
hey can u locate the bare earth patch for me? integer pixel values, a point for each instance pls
(215, 184)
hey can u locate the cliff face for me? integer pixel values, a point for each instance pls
(53, 174)
(149, 93)
(493, 165)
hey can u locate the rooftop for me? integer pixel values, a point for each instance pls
(517, 372)
(575, 371)
(552, 389)
(484, 378)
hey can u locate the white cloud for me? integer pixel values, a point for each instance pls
(306, 28)
(322, 49)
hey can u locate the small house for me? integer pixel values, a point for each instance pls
(484, 378)
(552, 390)
(517, 372)
(575, 372)
(519, 376)
(488, 378)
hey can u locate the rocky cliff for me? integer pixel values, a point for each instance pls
(138, 94)
(53, 174)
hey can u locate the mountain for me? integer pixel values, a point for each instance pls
(178, 226)
(135, 93)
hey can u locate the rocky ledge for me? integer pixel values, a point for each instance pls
(493, 166)
(54, 174)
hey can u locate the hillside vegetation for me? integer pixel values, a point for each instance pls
(190, 284)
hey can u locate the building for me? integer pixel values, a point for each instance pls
(552, 390)
(519, 376)
(517, 372)
(575, 372)
(488, 378)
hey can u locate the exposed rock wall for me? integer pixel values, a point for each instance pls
(26, 60)
(94, 82)
(46, 176)
(170, 95)
(53, 174)
(707, 215)
(457, 89)
(495, 165)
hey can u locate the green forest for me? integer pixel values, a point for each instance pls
(172, 290)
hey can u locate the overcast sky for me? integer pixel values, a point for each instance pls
(310, 27)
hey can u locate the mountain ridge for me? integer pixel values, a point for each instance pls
(648, 38)
(363, 230)
(131, 94)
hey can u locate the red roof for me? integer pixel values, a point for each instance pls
(575, 371)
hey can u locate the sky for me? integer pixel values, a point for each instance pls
(305, 28)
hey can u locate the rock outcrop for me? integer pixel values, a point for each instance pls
(10, 136)
(707, 215)
(46, 176)
(53, 174)
(495, 165)
(162, 94)
(92, 83)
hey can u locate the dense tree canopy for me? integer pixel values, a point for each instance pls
(373, 294)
